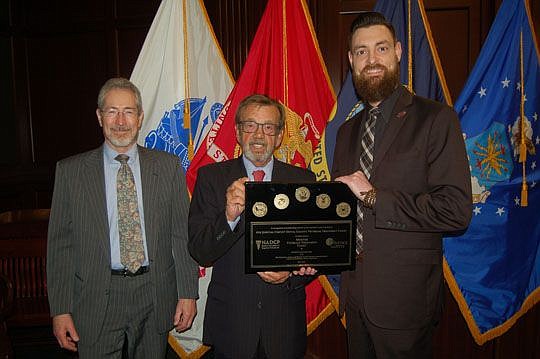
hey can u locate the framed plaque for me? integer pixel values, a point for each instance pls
(289, 225)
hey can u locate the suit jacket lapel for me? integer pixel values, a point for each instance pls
(277, 171)
(94, 180)
(399, 115)
(237, 170)
(149, 185)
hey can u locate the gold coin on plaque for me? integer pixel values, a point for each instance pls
(343, 209)
(259, 209)
(302, 194)
(323, 201)
(281, 201)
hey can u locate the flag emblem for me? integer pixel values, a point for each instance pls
(490, 159)
(171, 136)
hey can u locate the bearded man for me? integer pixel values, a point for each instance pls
(404, 159)
(247, 316)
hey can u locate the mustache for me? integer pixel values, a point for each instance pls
(374, 67)
(121, 128)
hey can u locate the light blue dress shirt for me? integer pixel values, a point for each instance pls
(111, 167)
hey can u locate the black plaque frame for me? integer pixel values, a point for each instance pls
(285, 230)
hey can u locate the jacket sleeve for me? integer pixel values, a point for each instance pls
(210, 235)
(60, 266)
(187, 274)
(445, 204)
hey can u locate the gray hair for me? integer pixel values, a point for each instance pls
(122, 84)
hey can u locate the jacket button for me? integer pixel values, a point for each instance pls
(259, 305)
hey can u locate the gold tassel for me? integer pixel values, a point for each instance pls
(524, 194)
(522, 145)
(187, 125)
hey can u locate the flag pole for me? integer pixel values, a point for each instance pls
(187, 109)
(409, 48)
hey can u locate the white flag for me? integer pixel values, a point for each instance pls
(181, 60)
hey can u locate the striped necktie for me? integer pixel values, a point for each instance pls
(366, 163)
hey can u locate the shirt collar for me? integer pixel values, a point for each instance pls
(250, 167)
(109, 154)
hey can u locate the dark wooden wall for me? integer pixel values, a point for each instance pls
(54, 56)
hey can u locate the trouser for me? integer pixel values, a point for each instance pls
(128, 321)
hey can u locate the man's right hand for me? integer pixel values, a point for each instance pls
(65, 332)
(236, 199)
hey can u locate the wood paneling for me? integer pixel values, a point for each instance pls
(56, 54)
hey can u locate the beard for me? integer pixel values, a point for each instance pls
(375, 89)
(257, 157)
(124, 139)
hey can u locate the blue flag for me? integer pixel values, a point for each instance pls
(421, 72)
(423, 67)
(493, 269)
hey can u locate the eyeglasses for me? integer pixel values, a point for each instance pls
(269, 129)
(113, 112)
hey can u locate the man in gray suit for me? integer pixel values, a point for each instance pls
(118, 270)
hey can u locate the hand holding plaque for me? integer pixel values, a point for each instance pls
(292, 225)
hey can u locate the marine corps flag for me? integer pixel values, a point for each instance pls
(184, 80)
(285, 63)
(493, 270)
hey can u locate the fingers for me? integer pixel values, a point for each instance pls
(357, 183)
(186, 310)
(235, 196)
(305, 271)
(65, 332)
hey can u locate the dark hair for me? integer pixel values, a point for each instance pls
(260, 100)
(121, 84)
(367, 19)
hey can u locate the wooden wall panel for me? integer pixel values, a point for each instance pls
(56, 54)
(63, 107)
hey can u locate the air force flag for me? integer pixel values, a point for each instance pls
(493, 270)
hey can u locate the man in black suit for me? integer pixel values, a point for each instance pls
(247, 315)
(404, 158)
(118, 270)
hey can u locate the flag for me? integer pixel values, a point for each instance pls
(420, 71)
(493, 269)
(420, 66)
(285, 63)
(184, 80)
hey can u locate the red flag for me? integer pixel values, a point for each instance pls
(284, 63)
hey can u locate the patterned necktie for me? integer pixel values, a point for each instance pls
(129, 221)
(258, 175)
(366, 162)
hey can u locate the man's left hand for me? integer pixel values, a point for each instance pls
(186, 309)
(274, 277)
(357, 182)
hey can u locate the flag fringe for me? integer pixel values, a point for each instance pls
(481, 338)
(325, 313)
(175, 345)
(325, 283)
